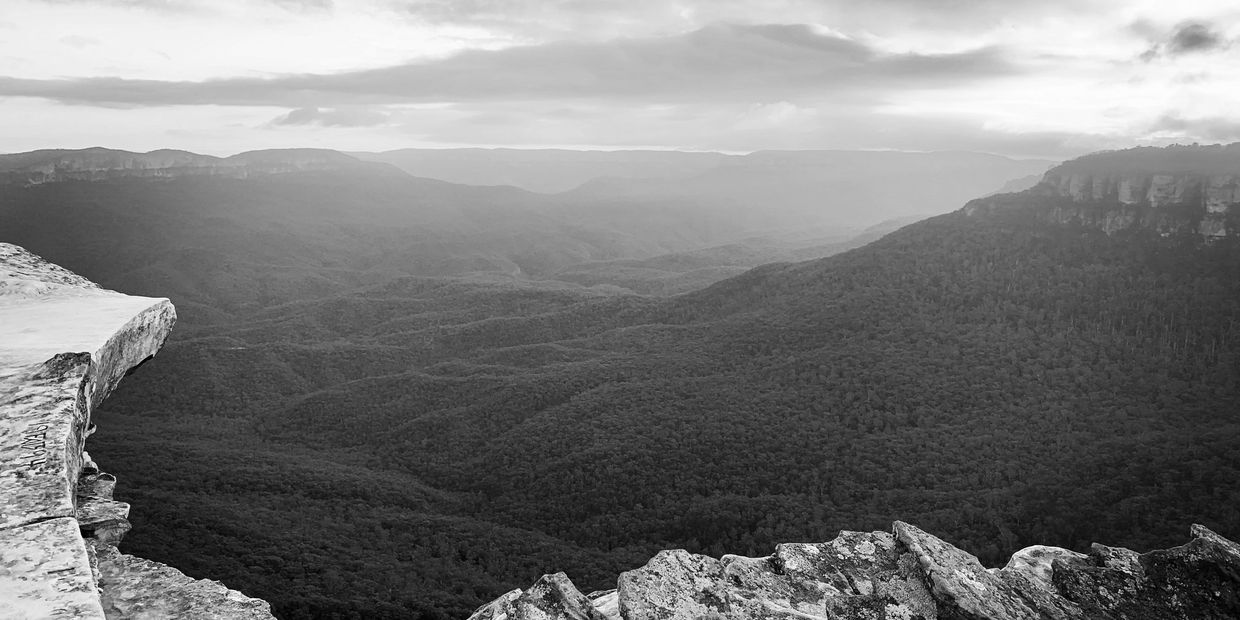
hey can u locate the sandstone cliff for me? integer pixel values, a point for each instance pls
(1180, 189)
(904, 575)
(65, 344)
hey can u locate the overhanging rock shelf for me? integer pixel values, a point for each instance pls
(65, 343)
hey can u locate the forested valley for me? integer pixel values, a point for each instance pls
(348, 437)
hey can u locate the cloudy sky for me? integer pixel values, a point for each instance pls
(1047, 78)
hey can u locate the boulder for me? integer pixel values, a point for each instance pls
(553, 597)
(857, 575)
(963, 587)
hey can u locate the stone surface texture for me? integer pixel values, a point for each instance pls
(905, 575)
(65, 344)
(552, 596)
(132, 587)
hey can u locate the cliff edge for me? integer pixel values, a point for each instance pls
(65, 344)
(1171, 190)
(906, 574)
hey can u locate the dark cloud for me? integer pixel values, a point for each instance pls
(333, 117)
(717, 62)
(1186, 38)
(1194, 37)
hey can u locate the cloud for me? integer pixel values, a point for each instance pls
(1194, 37)
(172, 6)
(194, 6)
(533, 19)
(79, 41)
(722, 61)
(1186, 38)
(333, 117)
(1206, 129)
(305, 5)
(733, 127)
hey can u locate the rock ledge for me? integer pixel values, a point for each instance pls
(65, 344)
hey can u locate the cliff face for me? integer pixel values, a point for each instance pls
(1169, 191)
(1217, 193)
(65, 344)
(97, 164)
(905, 575)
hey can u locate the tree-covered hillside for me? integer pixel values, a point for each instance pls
(1002, 382)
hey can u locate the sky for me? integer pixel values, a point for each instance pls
(1024, 78)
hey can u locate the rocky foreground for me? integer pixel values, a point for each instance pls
(65, 344)
(905, 575)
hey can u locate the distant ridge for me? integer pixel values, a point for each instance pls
(97, 163)
(762, 193)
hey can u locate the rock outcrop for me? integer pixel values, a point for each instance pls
(552, 596)
(98, 164)
(1180, 189)
(65, 344)
(904, 575)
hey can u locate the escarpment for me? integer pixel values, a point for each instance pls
(903, 575)
(65, 344)
(1173, 190)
